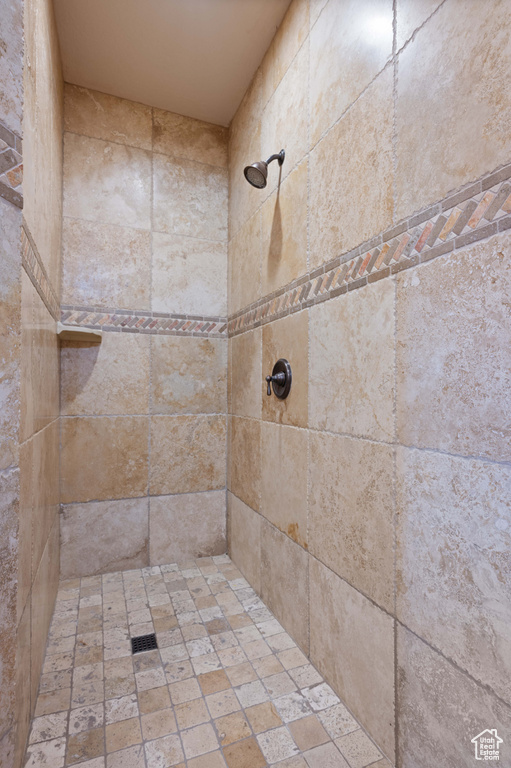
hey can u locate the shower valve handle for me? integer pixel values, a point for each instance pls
(278, 378)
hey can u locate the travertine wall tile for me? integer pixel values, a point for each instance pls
(11, 66)
(44, 592)
(454, 574)
(111, 378)
(101, 116)
(190, 198)
(245, 460)
(284, 232)
(453, 366)
(45, 489)
(9, 510)
(287, 338)
(411, 16)
(106, 182)
(188, 375)
(181, 136)
(104, 458)
(247, 373)
(187, 526)
(441, 709)
(104, 536)
(350, 43)
(452, 57)
(187, 454)
(352, 363)
(245, 264)
(284, 121)
(104, 265)
(245, 539)
(284, 479)
(351, 512)
(352, 644)
(285, 582)
(189, 275)
(351, 170)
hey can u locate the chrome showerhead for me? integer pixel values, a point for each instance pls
(257, 173)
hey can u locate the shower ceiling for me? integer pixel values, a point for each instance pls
(193, 57)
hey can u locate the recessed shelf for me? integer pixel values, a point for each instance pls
(73, 333)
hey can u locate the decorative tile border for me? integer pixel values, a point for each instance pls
(36, 271)
(144, 322)
(11, 167)
(476, 213)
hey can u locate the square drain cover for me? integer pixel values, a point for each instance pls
(143, 643)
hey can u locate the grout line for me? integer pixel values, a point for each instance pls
(67, 504)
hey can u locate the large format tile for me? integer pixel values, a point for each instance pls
(10, 333)
(245, 148)
(101, 116)
(285, 582)
(187, 453)
(453, 361)
(182, 136)
(111, 378)
(411, 16)
(45, 366)
(351, 176)
(277, 130)
(351, 512)
(189, 275)
(244, 526)
(350, 43)
(103, 458)
(44, 591)
(45, 488)
(104, 265)
(11, 66)
(284, 232)
(246, 373)
(453, 569)
(287, 338)
(440, 709)
(106, 182)
(245, 460)
(189, 198)
(103, 536)
(187, 526)
(352, 644)
(352, 363)
(9, 510)
(188, 375)
(284, 479)
(288, 40)
(245, 264)
(454, 58)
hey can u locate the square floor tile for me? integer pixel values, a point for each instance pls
(277, 745)
(308, 732)
(232, 728)
(198, 740)
(244, 754)
(164, 752)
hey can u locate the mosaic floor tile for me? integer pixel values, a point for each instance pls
(226, 688)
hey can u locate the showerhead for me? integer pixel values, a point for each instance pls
(257, 173)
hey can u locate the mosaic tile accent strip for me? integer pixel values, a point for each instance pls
(226, 688)
(11, 167)
(143, 322)
(36, 271)
(481, 210)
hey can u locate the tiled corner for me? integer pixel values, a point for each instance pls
(226, 688)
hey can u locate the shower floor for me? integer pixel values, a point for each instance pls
(227, 686)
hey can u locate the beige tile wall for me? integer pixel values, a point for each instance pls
(30, 402)
(143, 457)
(371, 509)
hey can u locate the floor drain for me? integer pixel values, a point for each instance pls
(143, 643)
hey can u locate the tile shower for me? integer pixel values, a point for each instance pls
(328, 576)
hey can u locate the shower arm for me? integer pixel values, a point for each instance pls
(279, 156)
